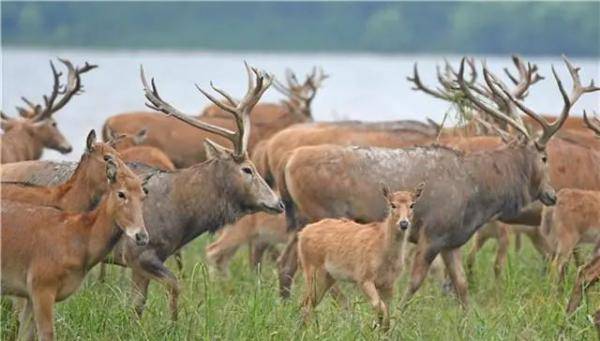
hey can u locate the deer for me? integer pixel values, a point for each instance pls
(202, 198)
(131, 149)
(260, 231)
(587, 276)
(461, 194)
(173, 137)
(80, 193)
(41, 261)
(370, 255)
(26, 138)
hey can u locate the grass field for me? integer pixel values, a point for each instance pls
(521, 305)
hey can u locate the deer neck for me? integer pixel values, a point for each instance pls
(102, 234)
(79, 193)
(206, 202)
(26, 142)
(501, 179)
(392, 240)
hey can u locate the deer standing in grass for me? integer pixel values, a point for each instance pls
(131, 148)
(463, 191)
(80, 193)
(370, 255)
(26, 138)
(46, 252)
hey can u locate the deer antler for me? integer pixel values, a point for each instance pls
(239, 109)
(550, 129)
(73, 87)
(593, 124)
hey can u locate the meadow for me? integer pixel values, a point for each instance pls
(521, 305)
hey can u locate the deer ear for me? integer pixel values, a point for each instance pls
(216, 151)
(111, 171)
(141, 136)
(89, 142)
(385, 190)
(418, 191)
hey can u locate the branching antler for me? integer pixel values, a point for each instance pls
(593, 124)
(258, 83)
(305, 92)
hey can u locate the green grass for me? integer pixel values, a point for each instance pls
(522, 305)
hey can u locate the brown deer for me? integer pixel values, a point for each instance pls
(131, 149)
(462, 193)
(175, 138)
(26, 138)
(574, 220)
(80, 193)
(587, 276)
(370, 255)
(41, 260)
(259, 230)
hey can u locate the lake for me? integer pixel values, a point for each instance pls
(361, 86)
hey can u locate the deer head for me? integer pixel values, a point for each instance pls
(533, 147)
(401, 206)
(300, 96)
(123, 141)
(125, 201)
(240, 172)
(38, 120)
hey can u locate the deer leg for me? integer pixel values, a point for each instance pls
(156, 270)
(287, 265)
(421, 263)
(518, 241)
(102, 274)
(43, 311)
(339, 297)
(26, 323)
(179, 262)
(139, 290)
(586, 277)
(258, 250)
(318, 281)
(478, 242)
(452, 260)
(383, 317)
(501, 254)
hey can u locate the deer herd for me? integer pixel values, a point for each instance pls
(347, 200)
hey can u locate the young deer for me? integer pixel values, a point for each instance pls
(131, 149)
(46, 252)
(371, 255)
(81, 192)
(26, 138)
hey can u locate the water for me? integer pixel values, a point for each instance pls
(361, 86)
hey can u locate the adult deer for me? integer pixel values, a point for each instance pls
(131, 148)
(461, 195)
(175, 137)
(41, 260)
(201, 198)
(26, 138)
(80, 193)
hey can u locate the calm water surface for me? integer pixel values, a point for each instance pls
(364, 87)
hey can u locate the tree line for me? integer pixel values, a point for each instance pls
(540, 28)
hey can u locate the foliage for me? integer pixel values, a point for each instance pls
(522, 305)
(432, 27)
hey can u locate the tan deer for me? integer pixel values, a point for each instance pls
(132, 150)
(80, 193)
(46, 252)
(587, 276)
(370, 255)
(26, 138)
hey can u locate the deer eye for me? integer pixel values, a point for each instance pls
(393, 205)
(121, 195)
(412, 205)
(107, 157)
(247, 170)
(544, 159)
(145, 190)
(54, 124)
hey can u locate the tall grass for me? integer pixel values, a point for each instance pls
(521, 305)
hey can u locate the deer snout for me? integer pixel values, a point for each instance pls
(404, 224)
(139, 235)
(65, 148)
(548, 196)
